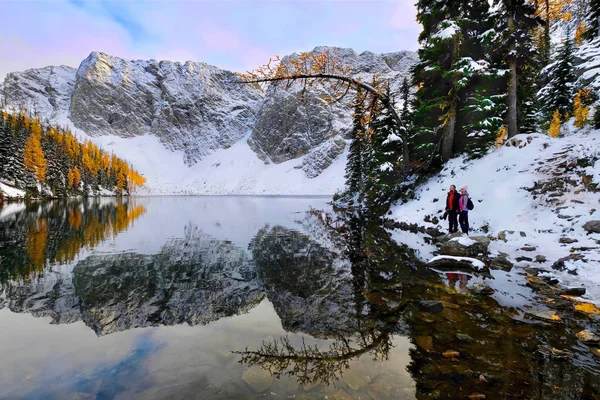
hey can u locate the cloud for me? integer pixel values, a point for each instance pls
(233, 34)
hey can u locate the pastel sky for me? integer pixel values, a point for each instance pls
(231, 34)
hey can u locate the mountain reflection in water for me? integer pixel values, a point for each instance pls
(263, 289)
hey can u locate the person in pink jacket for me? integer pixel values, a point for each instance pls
(463, 218)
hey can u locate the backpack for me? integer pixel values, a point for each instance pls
(470, 205)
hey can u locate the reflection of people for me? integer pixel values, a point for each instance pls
(462, 280)
(464, 211)
(452, 208)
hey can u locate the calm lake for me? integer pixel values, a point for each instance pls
(251, 298)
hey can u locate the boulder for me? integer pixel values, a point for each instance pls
(560, 263)
(501, 262)
(472, 246)
(503, 235)
(540, 258)
(592, 226)
(456, 263)
(566, 240)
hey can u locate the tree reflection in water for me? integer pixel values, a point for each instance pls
(469, 346)
(359, 319)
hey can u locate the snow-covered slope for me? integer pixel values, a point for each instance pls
(544, 187)
(186, 127)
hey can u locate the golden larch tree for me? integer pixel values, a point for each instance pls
(579, 110)
(554, 130)
(33, 155)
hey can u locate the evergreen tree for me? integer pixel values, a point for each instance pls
(558, 93)
(456, 75)
(596, 123)
(405, 95)
(383, 167)
(593, 20)
(517, 19)
(354, 167)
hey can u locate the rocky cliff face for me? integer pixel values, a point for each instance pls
(293, 121)
(46, 91)
(197, 108)
(193, 107)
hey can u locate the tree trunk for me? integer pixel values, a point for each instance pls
(448, 135)
(511, 116)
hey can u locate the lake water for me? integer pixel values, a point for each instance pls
(253, 297)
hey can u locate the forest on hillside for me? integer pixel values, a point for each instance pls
(48, 161)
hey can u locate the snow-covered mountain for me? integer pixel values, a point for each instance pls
(194, 128)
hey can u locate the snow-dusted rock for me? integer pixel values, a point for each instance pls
(592, 226)
(464, 246)
(46, 91)
(587, 65)
(456, 262)
(194, 107)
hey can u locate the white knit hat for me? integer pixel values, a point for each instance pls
(464, 188)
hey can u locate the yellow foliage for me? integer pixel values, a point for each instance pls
(554, 130)
(579, 111)
(555, 317)
(580, 32)
(501, 136)
(554, 10)
(36, 245)
(587, 308)
(33, 155)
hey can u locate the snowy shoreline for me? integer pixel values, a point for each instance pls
(531, 200)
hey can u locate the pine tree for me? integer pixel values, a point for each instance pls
(383, 166)
(405, 95)
(517, 20)
(596, 123)
(458, 97)
(559, 92)
(593, 20)
(354, 167)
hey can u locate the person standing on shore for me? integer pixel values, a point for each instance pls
(463, 201)
(452, 208)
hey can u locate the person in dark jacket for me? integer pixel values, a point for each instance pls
(452, 208)
(464, 210)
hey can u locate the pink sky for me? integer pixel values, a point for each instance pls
(236, 35)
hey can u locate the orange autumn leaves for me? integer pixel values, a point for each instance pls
(33, 156)
(87, 230)
(86, 160)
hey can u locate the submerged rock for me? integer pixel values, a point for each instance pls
(501, 262)
(579, 291)
(588, 337)
(547, 316)
(430, 306)
(481, 288)
(257, 378)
